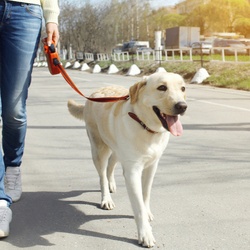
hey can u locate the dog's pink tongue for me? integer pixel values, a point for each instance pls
(174, 125)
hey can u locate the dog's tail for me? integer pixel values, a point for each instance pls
(76, 109)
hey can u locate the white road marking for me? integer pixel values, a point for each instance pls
(221, 105)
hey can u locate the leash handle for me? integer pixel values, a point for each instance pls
(52, 55)
(55, 67)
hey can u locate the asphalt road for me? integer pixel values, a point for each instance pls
(201, 193)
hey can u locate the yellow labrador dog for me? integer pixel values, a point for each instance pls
(135, 133)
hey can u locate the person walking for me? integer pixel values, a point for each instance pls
(20, 33)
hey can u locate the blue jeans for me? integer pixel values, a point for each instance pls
(20, 30)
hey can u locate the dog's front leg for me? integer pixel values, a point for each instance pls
(147, 182)
(133, 177)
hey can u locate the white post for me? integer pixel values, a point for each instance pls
(70, 52)
(64, 54)
(223, 54)
(158, 46)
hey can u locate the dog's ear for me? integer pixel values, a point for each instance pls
(134, 91)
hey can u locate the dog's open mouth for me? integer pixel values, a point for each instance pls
(170, 123)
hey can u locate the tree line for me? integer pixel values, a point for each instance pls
(98, 28)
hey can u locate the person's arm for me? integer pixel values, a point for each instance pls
(51, 12)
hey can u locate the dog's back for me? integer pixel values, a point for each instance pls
(77, 110)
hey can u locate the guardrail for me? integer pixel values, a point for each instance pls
(218, 54)
(170, 54)
(145, 55)
(121, 56)
(103, 57)
(89, 56)
(233, 51)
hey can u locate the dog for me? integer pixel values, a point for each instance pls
(134, 132)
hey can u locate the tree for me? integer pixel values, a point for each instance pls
(222, 17)
(163, 18)
(197, 18)
(242, 26)
(98, 28)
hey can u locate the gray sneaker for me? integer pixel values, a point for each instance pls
(5, 219)
(13, 183)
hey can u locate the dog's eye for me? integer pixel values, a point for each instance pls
(162, 88)
(183, 89)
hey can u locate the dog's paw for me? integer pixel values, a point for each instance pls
(107, 204)
(147, 239)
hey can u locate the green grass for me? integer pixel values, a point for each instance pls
(213, 57)
(225, 75)
(230, 75)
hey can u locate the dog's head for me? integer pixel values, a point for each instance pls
(162, 97)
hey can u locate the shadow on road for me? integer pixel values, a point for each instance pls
(42, 213)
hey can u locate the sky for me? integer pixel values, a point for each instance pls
(160, 3)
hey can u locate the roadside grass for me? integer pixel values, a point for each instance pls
(228, 58)
(228, 75)
(232, 58)
(222, 74)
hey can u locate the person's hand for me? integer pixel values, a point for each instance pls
(52, 34)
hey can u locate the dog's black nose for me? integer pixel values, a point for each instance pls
(180, 107)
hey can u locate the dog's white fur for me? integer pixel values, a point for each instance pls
(114, 136)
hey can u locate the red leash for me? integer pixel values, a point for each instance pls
(55, 67)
